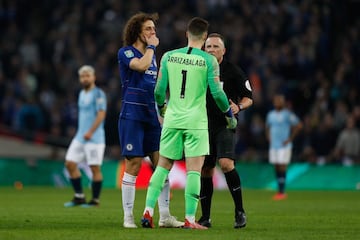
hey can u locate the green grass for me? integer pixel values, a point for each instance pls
(38, 213)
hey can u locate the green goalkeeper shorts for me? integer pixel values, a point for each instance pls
(174, 143)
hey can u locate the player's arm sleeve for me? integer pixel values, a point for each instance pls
(101, 102)
(125, 56)
(162, 82)
(294, 120)
(214, 85)
(244, 86)
(296, 125)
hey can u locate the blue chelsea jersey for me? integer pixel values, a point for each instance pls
(137, 100)
(89, 103)
(280, 123)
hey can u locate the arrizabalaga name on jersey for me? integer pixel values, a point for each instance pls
(186, 61)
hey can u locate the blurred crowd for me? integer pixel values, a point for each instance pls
(309, 50)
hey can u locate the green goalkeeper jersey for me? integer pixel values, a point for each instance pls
(187, 73)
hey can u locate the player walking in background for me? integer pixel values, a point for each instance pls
(186, 72)
(282, 126)
(139, 127)
(89, 142)
(222, 140)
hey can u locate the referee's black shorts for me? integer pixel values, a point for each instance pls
(222, 143)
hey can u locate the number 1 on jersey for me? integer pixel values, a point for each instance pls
(182, 93)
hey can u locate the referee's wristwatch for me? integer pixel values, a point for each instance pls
(240, 107)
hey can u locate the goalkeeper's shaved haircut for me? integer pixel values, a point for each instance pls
(197, 27)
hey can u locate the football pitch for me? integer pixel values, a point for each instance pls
(38, 213)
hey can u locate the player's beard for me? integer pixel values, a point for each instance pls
(86, 85)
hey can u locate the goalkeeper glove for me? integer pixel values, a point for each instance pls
(230, 119)
(162, 110)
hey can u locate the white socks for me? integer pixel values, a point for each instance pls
(164, 201)
(128, 197)
(128, 193)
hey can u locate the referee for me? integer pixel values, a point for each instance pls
(222, 140)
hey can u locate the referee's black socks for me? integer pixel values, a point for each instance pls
(206, 192)
(234, 184)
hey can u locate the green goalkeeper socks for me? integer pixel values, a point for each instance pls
(192, 191)
(156, 184)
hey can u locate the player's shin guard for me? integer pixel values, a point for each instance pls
(156, 184)
(192, 191)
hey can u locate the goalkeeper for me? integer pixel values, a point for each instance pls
(187, 73)
(237, 87)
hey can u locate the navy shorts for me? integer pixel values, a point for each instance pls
(222, 143)
(138, 139)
